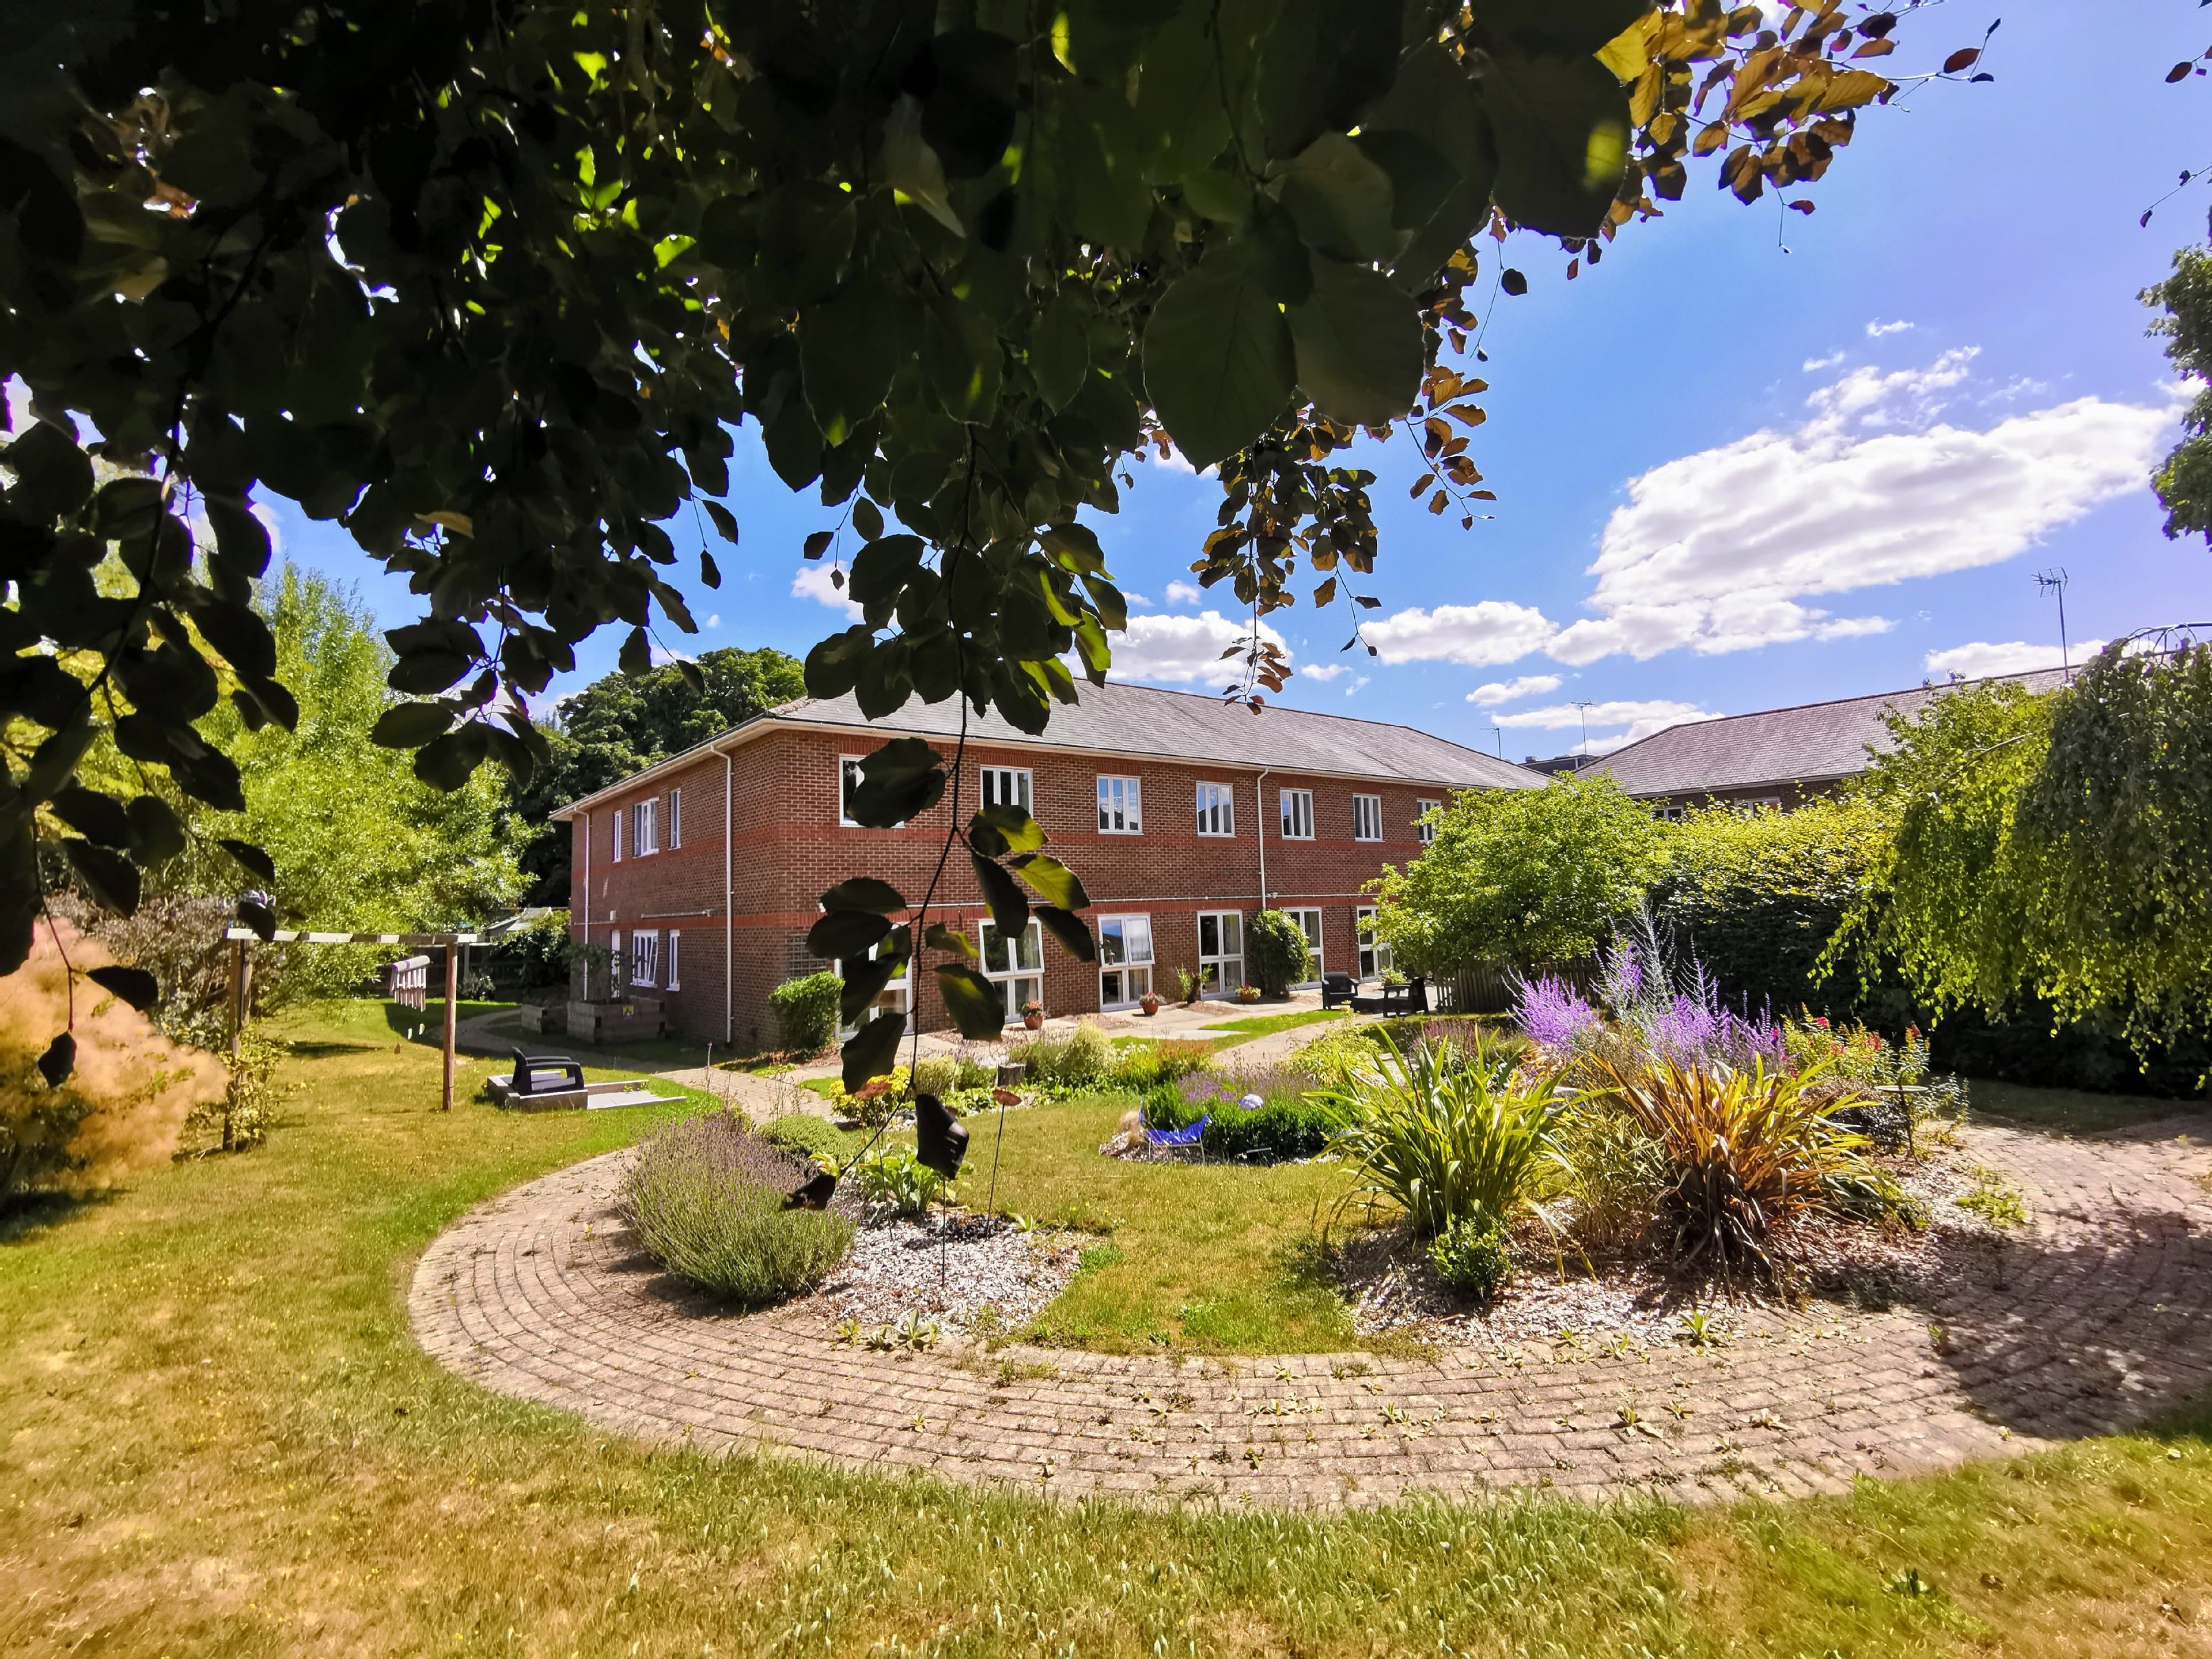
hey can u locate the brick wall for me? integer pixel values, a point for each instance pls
(787, 847)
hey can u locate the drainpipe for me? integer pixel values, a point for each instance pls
(588, 882)
(729, 924)
(1259, 819)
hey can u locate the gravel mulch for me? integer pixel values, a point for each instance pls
(956, 1269)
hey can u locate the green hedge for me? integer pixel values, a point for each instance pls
(806, 1012)
(1275, 955)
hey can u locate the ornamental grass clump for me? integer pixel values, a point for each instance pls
(1441, 1134)
(706, 1199)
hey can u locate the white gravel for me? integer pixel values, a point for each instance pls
(954, 1268)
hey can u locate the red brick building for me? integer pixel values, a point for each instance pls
(1181, 813)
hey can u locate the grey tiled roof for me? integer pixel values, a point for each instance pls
(1144, 720)
(1812, 742)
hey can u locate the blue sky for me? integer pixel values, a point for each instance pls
(1754, 458)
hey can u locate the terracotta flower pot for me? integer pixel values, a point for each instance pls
(1149, 1003)
(1034, 1022)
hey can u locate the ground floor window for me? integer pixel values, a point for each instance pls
(645, 958)
(675, 960)
(1220, 950)
(1125, 960)
(1310, 924)
(1015, 965)
(1374, 953)
(894, 998)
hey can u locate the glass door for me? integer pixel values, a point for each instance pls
(1125, 960)
(1374, 953)
(1310, 924)
(1220, 951)
(1016, 966)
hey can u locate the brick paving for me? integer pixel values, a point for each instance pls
(2095, 1314)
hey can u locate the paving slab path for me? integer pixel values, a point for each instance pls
(2096, 1314)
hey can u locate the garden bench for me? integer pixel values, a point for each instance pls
(1411, 998)
(538, 1074)
(1337, 989)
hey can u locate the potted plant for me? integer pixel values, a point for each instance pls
(1149, 1002)
(1247, 993)
(1033, 1015)
(1190, 986)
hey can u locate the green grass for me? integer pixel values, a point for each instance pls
(2074, 1111)
(219, 1437)
(1258, 1025)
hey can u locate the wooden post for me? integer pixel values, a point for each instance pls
(452, 989)
(237, 992)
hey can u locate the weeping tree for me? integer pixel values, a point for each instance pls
(2055, 846)
(490, 282)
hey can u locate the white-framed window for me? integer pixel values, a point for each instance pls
(1669, 813)
(849, 780)
(622, 820)
(1016, 966)
(1220, 951)
(1374, 953)
(1125, 960)
(1425, 826)
(1217, 809)
(1367, 818)
(645, 958)
(645, 827)
(1120, 807)
(673, 978)
(1007, 785)
(1297, 815)
(1308, 922)
(1745, 809)
(894, 995)
(675, 819)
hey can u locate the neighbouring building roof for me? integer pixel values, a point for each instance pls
(1144, 722)
(1811, 743)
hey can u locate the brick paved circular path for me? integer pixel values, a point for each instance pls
(2097, 1314)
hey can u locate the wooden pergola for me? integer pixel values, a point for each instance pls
(241, 974)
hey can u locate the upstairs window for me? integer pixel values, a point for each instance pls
(1217, 809)
(1297, 815)
(645, 828)
(1007, 785)
(622, 821)
(675, 825)
(1120, 807)
(1367, 818)
(849, 780)
(1424, 825)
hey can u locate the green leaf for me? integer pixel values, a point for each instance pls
(252, 857)
(867, 519)
(864, 893)
(1060, 353)
(412, 725)
(1359, 345)
(426, 673)
(1562, 129)
(843, 933)
(941, 938)
(725, 523)
(1076, 547)
(833, 667)
(1433, 100)
(134, 985)
(848, 347)
(1559, 28)
(446, 762)
(1010, 908)
(870, 1051)
(899, 782)
(1340, 200)
(241, 539)
(1054, 880)
(240, 633)
(635, 656)
(157, 835)
(962, 357)
(58, 1060)
(977, 1005)
(111, 879)
(1070, 929)
(883, 567)
(53, 477)
(864, 979)
(996, 830)
(1218, 361)
(127, 509)
(99, 818)
(806, 230)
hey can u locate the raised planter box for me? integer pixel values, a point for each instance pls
(612, 1022)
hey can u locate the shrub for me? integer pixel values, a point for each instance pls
(1275, 952)
(1442, 1135)
(240, 1117)
(1470, 1256)
(1166, 1107)
(806, 1012)
(806, 1135)
(1146, 1065)
(1614, 1173)
(706, 1200)
(1744, 1151)
(895, 1177)
(1338, 1056)
(1288, 1126)
(945, 1075)
(1084, 1059)
(122, 1107)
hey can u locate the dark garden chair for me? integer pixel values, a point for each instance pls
(1337, 989)
(545, 1074)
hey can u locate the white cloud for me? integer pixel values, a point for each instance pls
(715, 620)
(1134, 599)
(1875, 331)
(1815, 365)
(1980, 659)
(1718, 550)
(811, 581)
(1173, 461)
(1352, 689)
(1165, 647)
(1182, 593)
(1493, 631)
(659, 657)
(1640, 719)
(1328, 671)
(1528, 685)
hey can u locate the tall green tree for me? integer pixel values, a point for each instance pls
(1520, 876)
(2183, 478)
(622, 722)
(490, 283)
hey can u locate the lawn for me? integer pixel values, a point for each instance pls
(219, 1436)
(2072, 1111)
(1260, 1025)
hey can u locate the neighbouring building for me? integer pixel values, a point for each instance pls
(1182, 813)
(1778, 758)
